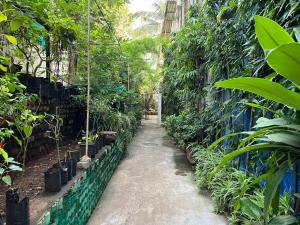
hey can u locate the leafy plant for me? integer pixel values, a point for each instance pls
(91, 139)
(252, 210)
(25, 122)
(7, 165)
(280, 135)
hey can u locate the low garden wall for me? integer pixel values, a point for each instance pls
(77, 205)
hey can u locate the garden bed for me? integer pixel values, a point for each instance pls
(32, 184)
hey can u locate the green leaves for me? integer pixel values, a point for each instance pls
(254, 212)
(283, 220)
(3, 17)
(285, 137)
(15, 25)
(14, 167)
(7, 179)
(11, 39)
(284, 56)
(251, 209)
(3, 153)
(3, 68)
(272, 187)
(264, 88)
(285, 60)
(27, 130)
(265, 122)
(257, 147)
(297, 33)
(270, 34)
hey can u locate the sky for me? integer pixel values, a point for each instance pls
(141, 5)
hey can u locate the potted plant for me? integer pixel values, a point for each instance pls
(92, 146)
(53, 180)
(17, 212)
(55, 176)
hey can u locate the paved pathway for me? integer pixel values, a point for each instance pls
(154, 186)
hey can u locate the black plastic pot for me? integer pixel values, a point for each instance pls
(17, 212)
(35, 85)
(74, 154)
(46, 90)
(99, 143)
(53, 180)
(74, 167)
(58, 90)
(63, 172)
(52, 93)
(91, 151)
(70, 169)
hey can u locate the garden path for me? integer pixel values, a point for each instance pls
(154, 185)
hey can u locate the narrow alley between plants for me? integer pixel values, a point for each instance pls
(154, 184)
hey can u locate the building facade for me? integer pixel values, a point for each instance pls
(175, 14)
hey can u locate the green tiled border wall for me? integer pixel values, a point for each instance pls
(76, 207)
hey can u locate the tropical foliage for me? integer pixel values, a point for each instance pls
(218, 43)
(48, 38)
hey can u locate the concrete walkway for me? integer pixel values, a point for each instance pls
(154, 186)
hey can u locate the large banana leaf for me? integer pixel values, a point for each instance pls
(272, 189)
(270, 34)
(253, 135)
(264, 88)
(265, 122)
(285, 137)
(285, 60)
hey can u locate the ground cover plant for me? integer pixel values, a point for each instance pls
(218, 43)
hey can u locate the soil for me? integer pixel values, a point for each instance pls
(31, 184)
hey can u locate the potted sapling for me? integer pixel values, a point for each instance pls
(7, 165)
(92, 145)
(18, 211)
(56, 176)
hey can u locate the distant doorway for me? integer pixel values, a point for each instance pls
(153, 103)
